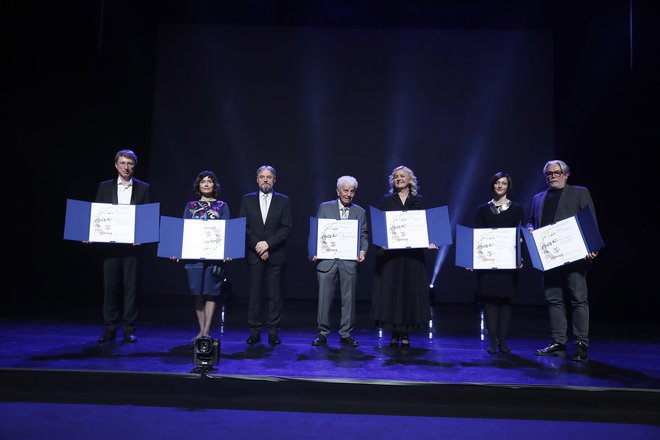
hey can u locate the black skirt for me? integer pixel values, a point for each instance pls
(400, 292)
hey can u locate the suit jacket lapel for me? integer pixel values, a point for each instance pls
(115, 196)
(541, 206)
(134, 193)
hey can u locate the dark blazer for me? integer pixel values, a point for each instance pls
(331, 210)
(571, 201)
(107, 192)
(392, 202)
(274, 232)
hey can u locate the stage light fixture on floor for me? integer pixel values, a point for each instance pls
(205, 352)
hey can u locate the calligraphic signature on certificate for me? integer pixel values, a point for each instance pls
(112, 223)
(495, 248)
(485, 249)
(406, 229)
(203, 239)
(329, 238)
(337, 239)
(560, 243)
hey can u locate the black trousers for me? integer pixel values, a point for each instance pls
(120, 279)
(264, 274)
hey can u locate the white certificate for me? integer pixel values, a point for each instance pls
(560, 243)
(110, 223)
(406, 229)
(203, 239)
(337, 239)
(494, 248)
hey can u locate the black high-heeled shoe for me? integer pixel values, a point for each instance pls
(492, 348)
(503, 347)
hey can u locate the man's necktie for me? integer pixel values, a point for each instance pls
(264, 207)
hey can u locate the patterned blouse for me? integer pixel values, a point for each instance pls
(206, 210)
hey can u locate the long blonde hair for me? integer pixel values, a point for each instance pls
(413, 179)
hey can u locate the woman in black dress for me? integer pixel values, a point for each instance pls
(495, 288)
(400, 297)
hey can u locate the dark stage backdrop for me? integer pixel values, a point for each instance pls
(455, 106)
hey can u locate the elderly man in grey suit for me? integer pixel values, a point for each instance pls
(329, 272)
(561, 201)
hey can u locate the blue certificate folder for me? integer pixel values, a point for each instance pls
(465, 247)
(314, 237)
(171, 237)
(78, 213)
(588, 229)
(437, 223)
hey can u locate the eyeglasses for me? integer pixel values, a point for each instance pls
(554, 173)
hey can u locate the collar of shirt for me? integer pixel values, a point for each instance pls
(121, 183)
(268, 199)
(341, 206)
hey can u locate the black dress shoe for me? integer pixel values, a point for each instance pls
(107, 337)
(553, 349)
(274, 340)
(254, 338)
(504, 348)
(492, 348)
(130, 338)
(349, 341)
(321, 340)
(581, 353)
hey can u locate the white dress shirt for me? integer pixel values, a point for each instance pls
(124, 192)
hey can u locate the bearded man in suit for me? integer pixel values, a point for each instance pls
(267, 227)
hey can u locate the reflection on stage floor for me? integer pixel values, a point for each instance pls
(52, 366)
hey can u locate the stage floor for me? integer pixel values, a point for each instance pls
(453, 351)
(52, 357)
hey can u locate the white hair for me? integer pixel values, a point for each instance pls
(562, 166)
(348, 180)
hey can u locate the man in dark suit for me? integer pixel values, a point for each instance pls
(329, 272)
(561, 201)
(268, 224)
(121, 261)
